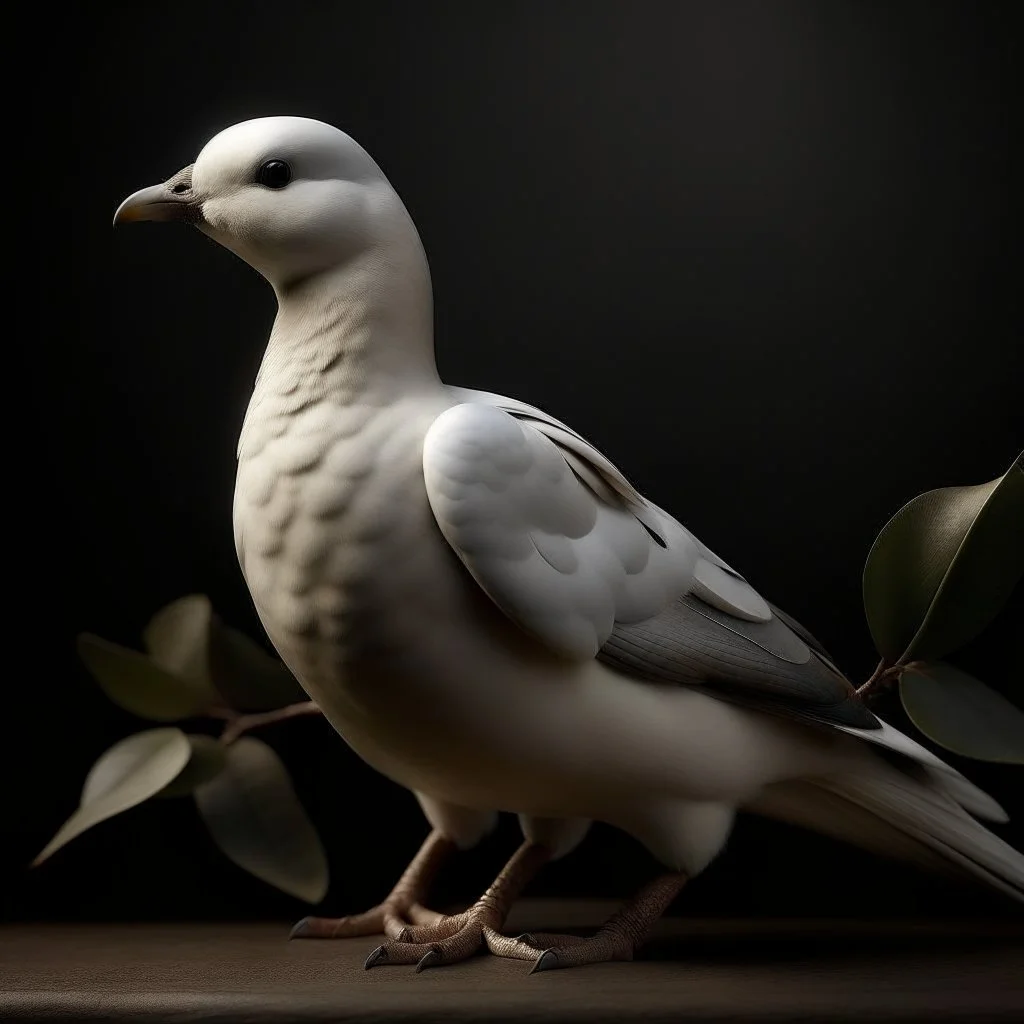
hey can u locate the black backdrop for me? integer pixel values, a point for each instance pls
(761, 254)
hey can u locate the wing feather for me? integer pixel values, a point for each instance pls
(569, 549)
(762, 665)
(555, 557)
(716, 582)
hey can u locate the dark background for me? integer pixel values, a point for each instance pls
(764, 255)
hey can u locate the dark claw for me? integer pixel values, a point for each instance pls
(379, 954)
(301, 930)
(429, 959)
(404, 936)
(547, 961)
(527, 938)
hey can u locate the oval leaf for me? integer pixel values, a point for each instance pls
(178, 636)
(127, 774)
(998, 653)
(943, 566)
(247, 677)
(962, 714)
(206, 762)
(136, 683)
(255, 817)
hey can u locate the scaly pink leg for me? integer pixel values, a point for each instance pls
(617, 939)
(455, 938)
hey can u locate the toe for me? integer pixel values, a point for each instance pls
(419, 914)
(527, 946)
(547, 961)
(379, 955)
(462, 944)
(432, 958)
(603, 947)
(395, 952)
(548, 940)
(521, 947)
(442, 929)
(369, 923)
(396, 928)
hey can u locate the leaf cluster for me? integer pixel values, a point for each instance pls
(193, 666)
(938, 574)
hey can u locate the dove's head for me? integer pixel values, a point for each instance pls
(291, 196)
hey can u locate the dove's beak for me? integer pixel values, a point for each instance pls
(173, 200)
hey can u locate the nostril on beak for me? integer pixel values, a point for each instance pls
(180, 184)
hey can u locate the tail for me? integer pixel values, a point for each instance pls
(907, 815)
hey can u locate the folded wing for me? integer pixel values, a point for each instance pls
(567, 548)
(563, 561)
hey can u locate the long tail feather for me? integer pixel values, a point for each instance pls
(899, 816)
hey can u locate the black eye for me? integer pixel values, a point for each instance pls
(274, 174)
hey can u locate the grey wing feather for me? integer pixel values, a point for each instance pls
(801, 631)
(751, 663)
(808, 637)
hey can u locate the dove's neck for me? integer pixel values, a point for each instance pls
(364, 327)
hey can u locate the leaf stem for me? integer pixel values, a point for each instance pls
(239, 724)
(883, 676)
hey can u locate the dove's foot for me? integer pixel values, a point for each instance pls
(399, 911)
(458, 937)
(617, 939)
(387, 918)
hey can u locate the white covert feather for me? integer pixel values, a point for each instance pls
(711, 579)
(554, 558)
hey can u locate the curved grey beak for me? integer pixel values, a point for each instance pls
(173, 200)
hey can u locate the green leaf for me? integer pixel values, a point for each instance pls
(943, 567)
(206, 762)
(962, 714)
(255, 817)
(178, 636)
(998, 654)
(248, 678)
(127, 774)
(136, 683)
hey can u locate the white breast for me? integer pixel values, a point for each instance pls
(326, 499)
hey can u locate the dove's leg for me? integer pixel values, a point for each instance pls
(685, 837)
(457, 937)
(453, 827)
(617, 939)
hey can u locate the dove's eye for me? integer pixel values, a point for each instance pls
(274, 174)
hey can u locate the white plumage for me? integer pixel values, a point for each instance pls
(484, 607)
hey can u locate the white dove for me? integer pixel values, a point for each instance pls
(487, 610)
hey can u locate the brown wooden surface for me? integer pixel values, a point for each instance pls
(692, 971)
